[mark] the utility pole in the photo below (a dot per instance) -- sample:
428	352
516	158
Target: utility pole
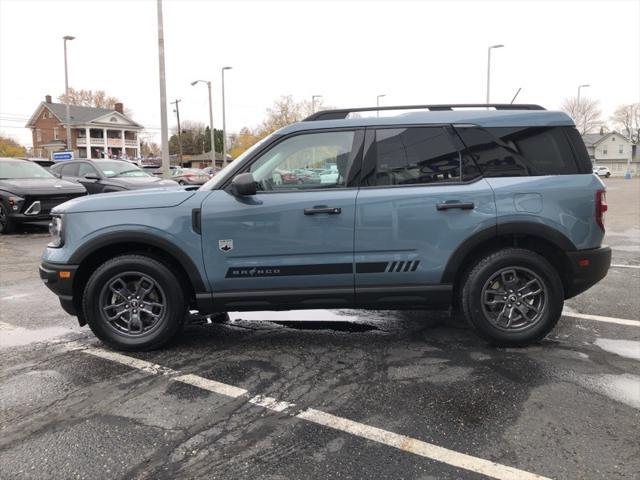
224	123
66	95
164	135
177	110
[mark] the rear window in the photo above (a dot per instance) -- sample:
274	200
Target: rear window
521	151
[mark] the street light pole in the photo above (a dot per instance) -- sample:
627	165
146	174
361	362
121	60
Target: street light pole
313	102
224	122
164	130
66	93
177	110
578	99
489	69
211	131
378	103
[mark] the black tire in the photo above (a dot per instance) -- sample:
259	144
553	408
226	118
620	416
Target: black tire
181	182
154	325
608	174
511	320
7	224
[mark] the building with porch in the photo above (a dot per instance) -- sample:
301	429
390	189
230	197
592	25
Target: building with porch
95	132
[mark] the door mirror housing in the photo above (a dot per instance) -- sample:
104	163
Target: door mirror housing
243	185
91	176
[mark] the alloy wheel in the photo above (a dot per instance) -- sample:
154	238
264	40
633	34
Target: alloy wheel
133	303
514	298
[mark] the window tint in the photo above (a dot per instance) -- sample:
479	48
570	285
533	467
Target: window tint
84	168
580	151
69	170
518	151
415	155
307	161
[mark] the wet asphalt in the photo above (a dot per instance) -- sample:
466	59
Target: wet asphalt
568	407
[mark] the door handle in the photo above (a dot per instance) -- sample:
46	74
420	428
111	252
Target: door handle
322	209
449	204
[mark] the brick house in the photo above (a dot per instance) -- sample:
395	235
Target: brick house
94	131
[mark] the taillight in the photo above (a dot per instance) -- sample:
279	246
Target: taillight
601	207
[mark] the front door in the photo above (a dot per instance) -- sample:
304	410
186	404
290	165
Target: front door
291	243
419	201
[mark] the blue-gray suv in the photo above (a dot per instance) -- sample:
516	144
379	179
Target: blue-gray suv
492	209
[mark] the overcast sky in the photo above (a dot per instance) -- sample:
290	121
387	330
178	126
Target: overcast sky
347	51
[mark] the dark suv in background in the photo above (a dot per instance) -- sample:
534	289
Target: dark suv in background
103	176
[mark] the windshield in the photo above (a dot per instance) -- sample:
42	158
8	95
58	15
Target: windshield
11	169
120	169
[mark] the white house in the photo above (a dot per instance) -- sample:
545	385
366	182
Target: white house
611	150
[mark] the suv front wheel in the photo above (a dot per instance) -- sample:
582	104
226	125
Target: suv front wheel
134	302
513	297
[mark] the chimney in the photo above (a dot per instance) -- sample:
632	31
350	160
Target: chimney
118	107
47	98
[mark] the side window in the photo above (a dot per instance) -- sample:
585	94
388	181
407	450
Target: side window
69	170
494	158
308	161
84	168
413	155
545	148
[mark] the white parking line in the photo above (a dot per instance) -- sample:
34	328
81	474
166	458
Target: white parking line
599	318
211	385
417	447
384	437
13	297
625	266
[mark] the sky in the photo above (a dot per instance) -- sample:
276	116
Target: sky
414	52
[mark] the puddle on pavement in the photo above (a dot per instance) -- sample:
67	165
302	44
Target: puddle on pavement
623	348
17	336
623	388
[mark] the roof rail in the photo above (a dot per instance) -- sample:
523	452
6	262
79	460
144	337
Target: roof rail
342	113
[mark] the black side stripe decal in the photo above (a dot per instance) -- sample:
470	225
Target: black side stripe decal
322	269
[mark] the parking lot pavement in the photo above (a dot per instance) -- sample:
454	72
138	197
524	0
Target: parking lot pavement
324	394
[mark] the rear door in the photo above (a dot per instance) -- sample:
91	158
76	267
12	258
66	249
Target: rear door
291	243
420	198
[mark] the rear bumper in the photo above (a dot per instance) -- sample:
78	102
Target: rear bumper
588	267
62	287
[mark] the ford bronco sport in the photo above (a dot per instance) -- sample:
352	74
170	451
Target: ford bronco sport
492	209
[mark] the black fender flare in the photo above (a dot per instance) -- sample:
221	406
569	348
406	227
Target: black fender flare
538	230
144	238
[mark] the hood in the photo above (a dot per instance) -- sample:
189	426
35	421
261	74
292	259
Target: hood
139	182
40	186
127	200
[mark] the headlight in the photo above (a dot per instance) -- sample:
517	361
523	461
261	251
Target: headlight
55	229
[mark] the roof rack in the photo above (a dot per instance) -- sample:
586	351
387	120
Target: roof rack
342	113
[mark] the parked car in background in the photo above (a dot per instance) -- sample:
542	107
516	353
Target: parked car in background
211	171
602	171
104	176
190	176
28	192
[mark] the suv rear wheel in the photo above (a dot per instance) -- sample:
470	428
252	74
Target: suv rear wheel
134	302
513	297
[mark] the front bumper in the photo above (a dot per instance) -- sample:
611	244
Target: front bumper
588	267
60	283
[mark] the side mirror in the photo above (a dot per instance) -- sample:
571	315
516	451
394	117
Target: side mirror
91	176
243	185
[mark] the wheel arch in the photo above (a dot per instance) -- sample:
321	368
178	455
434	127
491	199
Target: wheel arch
97	251
539	238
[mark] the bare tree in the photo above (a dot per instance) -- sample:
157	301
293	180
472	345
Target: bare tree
89	98
586	114
626	119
